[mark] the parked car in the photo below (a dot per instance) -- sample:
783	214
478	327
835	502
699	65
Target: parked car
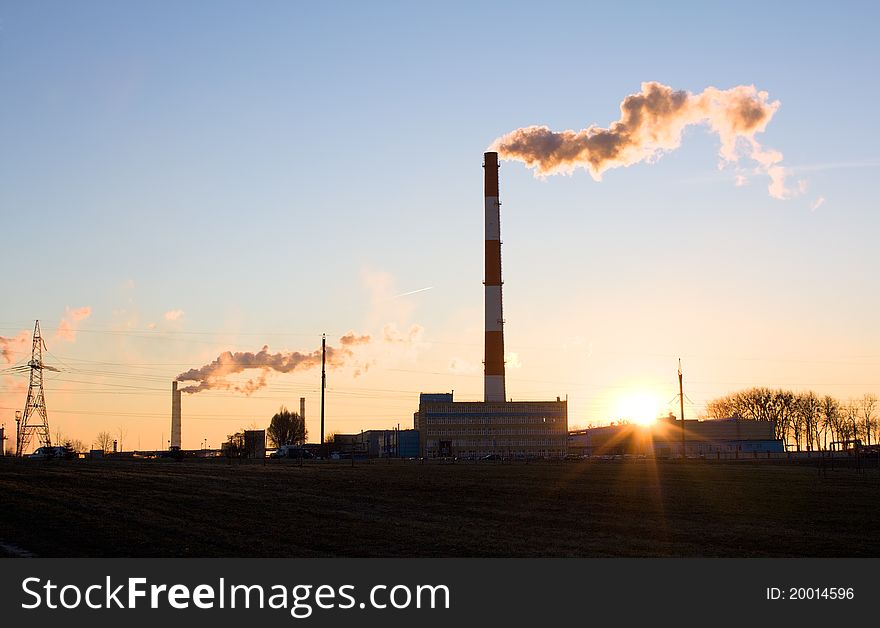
45	453
293	451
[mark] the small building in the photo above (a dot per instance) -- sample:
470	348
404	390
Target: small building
379	443
255	444
349	444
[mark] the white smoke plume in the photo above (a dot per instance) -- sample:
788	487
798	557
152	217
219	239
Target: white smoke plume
651	123
213	376
17	344
460	366
67	327
413	336
173	315
511	360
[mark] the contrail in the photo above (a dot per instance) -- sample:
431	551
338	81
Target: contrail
651	123
406	294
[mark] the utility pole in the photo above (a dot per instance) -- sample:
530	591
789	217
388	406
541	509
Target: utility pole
302	418
323	384
681	399
34	418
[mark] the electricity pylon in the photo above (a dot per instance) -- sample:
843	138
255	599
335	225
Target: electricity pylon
34	418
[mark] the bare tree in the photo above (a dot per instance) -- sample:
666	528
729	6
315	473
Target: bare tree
722	408
869	404
123	432
803	419
809	409
800	423
104	441
849	420
830	419
759	404
784	405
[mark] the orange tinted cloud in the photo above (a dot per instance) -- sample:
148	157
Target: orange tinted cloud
651	123
18	344
67	327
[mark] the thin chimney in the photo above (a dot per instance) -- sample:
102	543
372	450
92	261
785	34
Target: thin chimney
175	416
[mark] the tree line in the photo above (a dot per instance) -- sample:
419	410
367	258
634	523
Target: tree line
806	420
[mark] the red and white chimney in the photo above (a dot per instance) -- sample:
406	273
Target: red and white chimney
493	382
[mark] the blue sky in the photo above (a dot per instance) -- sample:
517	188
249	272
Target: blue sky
280	170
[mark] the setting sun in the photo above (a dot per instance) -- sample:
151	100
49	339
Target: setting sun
639	406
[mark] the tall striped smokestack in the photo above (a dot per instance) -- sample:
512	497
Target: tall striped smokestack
493	382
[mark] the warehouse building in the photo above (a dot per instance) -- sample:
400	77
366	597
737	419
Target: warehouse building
663	438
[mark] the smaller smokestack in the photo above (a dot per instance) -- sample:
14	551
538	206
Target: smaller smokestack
175	416
302	409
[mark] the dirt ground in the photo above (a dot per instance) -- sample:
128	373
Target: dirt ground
115	508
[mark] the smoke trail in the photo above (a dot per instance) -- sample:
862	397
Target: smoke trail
213	375
652	122
67	327
413	335
17	344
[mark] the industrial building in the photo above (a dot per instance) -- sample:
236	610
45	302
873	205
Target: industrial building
379	444
663	439
475	429
494	426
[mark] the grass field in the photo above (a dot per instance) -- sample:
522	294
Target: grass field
635	508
